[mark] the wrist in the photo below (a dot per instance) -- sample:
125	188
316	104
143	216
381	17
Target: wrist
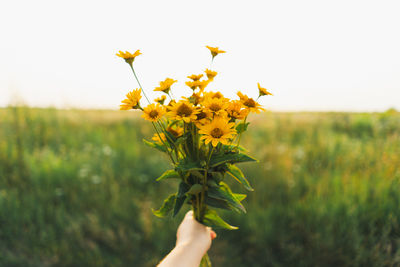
183	255
192	248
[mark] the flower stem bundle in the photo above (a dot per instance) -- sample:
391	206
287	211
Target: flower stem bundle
201	135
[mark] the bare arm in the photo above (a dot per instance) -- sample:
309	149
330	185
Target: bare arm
192	241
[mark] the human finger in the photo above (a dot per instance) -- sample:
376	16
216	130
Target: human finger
213	235
189	214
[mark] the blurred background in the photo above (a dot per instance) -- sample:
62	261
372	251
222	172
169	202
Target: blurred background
77	185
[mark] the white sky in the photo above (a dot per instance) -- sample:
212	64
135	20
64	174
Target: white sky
313	55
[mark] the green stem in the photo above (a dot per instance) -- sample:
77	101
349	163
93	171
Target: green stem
162	141
170	95
197	142
169	138
198	207
240	135
212	60
204	185
159	136
209	155
205	261
185	130
134	73
192	131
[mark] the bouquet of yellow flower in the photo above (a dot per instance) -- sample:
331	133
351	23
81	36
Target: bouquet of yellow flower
201	136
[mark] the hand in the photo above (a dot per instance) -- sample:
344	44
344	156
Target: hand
192	241
192	233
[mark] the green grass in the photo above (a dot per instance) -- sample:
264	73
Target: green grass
77	188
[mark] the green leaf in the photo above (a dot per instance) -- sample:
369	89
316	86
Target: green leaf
180	140
195	189
218	203
166	207
239	197
212	219
158	146
242	127
223	192
178	204
168	174
183	188
205	261
173	123
212	183
218	176
222	204
186	165
225	187
180	200
230	158
236	173
234	148
197	174
171	139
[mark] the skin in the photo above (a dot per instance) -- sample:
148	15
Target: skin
193	240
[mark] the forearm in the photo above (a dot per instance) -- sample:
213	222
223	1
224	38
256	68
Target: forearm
182	256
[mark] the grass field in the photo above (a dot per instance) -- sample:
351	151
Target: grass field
77	188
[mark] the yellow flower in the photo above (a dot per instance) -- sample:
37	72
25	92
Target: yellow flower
183	110
160	100
165	85
195	99
175	131
214	51
203	116
262	91
235	110
241	96
214	95
153	112
216	106
197	84
195	77
202	85
220	130
210	74
132	100
157	139
170	104
192	84
250	104
129	58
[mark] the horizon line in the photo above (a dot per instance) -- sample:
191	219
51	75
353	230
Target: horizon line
267	111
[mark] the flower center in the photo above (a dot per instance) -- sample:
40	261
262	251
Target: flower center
218	95
173	132
201	115
153	114
217	133
233	113
215	107
250	103
184	110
